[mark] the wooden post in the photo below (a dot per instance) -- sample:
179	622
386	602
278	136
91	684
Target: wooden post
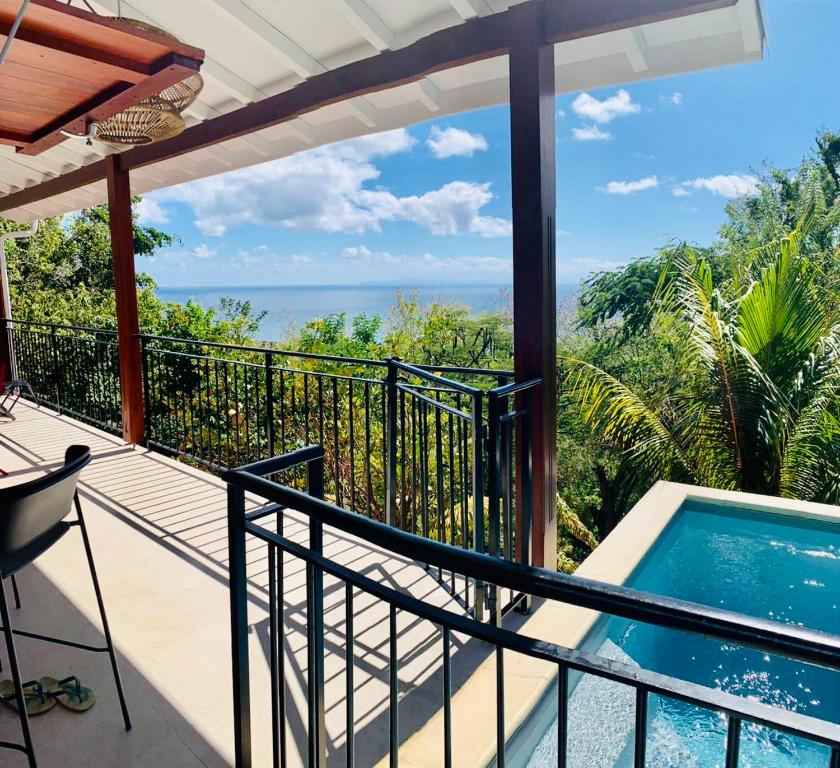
532	138
6	372
125	288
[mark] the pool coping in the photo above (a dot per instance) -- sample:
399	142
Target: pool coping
527	679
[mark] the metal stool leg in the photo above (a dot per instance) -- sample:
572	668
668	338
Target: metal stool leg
16	593
105	628
16	678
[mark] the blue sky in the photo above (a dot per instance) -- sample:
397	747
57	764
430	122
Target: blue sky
637	166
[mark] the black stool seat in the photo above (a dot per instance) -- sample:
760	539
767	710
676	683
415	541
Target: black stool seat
32	519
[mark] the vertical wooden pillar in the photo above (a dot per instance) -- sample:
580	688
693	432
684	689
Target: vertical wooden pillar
6	372
532	116
125	287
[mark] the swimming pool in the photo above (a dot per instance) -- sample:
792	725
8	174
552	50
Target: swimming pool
770	565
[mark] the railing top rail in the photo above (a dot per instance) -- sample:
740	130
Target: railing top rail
428	375
514	387
263	350
147	337
802	644
57	326
329	358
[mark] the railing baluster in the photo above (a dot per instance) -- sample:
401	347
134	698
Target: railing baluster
733	742
562	715
394	681
403	496
239	626
352	444
441	534
274	640
281	647
282	411
56	369
269	404
368	474
640	750
336	475
500	707
390	438
478	497
320	381
493	489
315	627
452	484
414	447
447	700
349	651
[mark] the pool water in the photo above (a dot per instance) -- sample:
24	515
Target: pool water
782	568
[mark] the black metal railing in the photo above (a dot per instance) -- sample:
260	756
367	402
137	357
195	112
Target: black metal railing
72	369
768	637
429	449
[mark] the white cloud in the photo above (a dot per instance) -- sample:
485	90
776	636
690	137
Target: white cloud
329	190
451	210
561	114
452	142
301	258
591	133
203	251
365	258
374	145
732	185
606	110
676	98
149	211
629	187
363	253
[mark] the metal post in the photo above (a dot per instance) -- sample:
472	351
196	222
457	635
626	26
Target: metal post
391	452
147	410
525	460
7	354
269	404
478	495
56	369
317	746
493	486
239	627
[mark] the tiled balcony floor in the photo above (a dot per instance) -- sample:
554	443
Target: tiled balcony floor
158	533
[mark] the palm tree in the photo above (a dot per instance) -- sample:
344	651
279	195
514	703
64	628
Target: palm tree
756	403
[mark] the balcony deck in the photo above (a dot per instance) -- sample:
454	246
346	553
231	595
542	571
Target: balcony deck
158	531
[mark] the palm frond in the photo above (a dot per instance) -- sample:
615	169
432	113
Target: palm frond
614	410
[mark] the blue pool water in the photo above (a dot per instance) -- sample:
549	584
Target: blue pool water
781	568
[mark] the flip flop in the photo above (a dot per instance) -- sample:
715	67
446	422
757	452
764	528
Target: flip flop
69	692
36	699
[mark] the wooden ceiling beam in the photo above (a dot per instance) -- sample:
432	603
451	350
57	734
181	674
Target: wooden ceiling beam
367	21
172	69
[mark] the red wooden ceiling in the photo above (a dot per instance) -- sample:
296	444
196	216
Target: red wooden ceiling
67	66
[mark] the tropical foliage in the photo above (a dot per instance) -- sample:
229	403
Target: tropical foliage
755	400
715	364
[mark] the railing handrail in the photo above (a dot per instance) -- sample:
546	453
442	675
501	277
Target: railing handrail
57	326
428	375
452	369
805	645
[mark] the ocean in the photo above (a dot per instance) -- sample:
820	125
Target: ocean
290	307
